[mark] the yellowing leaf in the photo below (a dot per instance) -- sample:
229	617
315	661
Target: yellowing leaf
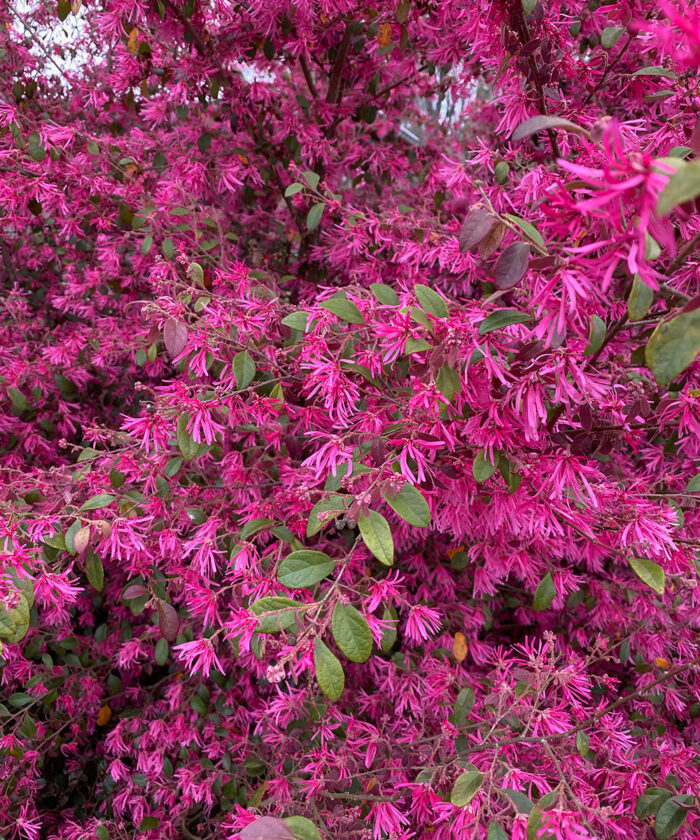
133	42
459	647
104	715
384	35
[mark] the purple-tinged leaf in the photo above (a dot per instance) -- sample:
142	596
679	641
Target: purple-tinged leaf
168	622
542	122
509	269
136	590
475	228
267	828
491	242
174	336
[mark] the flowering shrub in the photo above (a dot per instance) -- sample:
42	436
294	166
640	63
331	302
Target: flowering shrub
350	420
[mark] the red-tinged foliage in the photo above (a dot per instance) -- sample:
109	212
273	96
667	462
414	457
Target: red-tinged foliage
349	420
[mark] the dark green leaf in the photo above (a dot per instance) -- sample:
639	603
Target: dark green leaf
276	613
384	294
431	301
302	569
376	535
186	444
674	345
596	335
351	633
466	787
243	369
655	70
101	500
345	309
313	217
671	816
410	506
482	468
329	671
502	318
94	571
545	593
640	299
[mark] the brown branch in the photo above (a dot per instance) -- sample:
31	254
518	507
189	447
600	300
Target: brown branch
684	254
7	262
307	75
332	96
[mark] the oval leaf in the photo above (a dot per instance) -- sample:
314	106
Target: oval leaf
168	622
466	787
275	613
502	318
313	217
475	228
345	309
682	186
376	535
649	572
174	336
351	633
243	369
303	828
186	443
673	346
482	468
543	122
96	502
509	269
410	506
302	569
94	571
596	335
329	671
640	299
431	301
267	828
545	593
671	816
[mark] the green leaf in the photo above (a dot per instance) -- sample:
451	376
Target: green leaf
162	651
693	486
417	345
243	369
649	572
94	571
303	828
527	228
296	320
502	318
649	803
529	6
545	593
671	816
431	301
351	633
463	706
99	501
609	36
329	505
389	635
276	613
312	179
313	217
582	744
673	346
293	189
7	624
345	309
482	468
448	382
496	832
410	506
640	299
254	526
522	803
376	535
682	186
20	699
329	671
186	444
466	787
655	70
384	294
19	401
302	569
596	335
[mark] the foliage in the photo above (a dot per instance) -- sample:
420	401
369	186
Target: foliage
349	420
